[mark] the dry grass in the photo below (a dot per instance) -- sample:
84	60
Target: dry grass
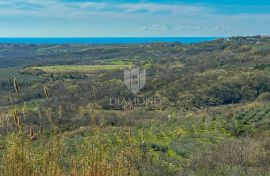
54	157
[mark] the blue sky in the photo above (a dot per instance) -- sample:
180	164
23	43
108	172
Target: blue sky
112	18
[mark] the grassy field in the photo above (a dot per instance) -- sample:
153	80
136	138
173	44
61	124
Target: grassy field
77	68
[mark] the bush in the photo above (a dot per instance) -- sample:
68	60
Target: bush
241	156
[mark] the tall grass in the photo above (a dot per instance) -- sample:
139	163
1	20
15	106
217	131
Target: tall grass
55	155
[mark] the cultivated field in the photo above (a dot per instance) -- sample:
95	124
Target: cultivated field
77	68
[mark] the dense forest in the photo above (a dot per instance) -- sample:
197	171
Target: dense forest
212	115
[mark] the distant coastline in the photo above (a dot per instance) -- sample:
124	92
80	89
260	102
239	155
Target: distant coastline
105	40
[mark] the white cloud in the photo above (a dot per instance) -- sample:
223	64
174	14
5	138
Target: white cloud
203	27
195	27
55	7
157	27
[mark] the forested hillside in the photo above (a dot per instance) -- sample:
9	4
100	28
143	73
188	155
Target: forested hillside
213	115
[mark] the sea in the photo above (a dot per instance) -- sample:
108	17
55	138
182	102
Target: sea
105	40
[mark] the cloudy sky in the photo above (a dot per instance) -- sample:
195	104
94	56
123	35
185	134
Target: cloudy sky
111	18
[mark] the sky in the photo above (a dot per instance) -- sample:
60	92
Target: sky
134	18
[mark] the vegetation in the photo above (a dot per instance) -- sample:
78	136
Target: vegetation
211	117
78	68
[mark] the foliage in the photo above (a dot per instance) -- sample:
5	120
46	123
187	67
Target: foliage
213	117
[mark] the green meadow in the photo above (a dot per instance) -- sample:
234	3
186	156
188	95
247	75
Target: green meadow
78	68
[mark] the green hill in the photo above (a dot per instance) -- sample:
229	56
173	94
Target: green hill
212	115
